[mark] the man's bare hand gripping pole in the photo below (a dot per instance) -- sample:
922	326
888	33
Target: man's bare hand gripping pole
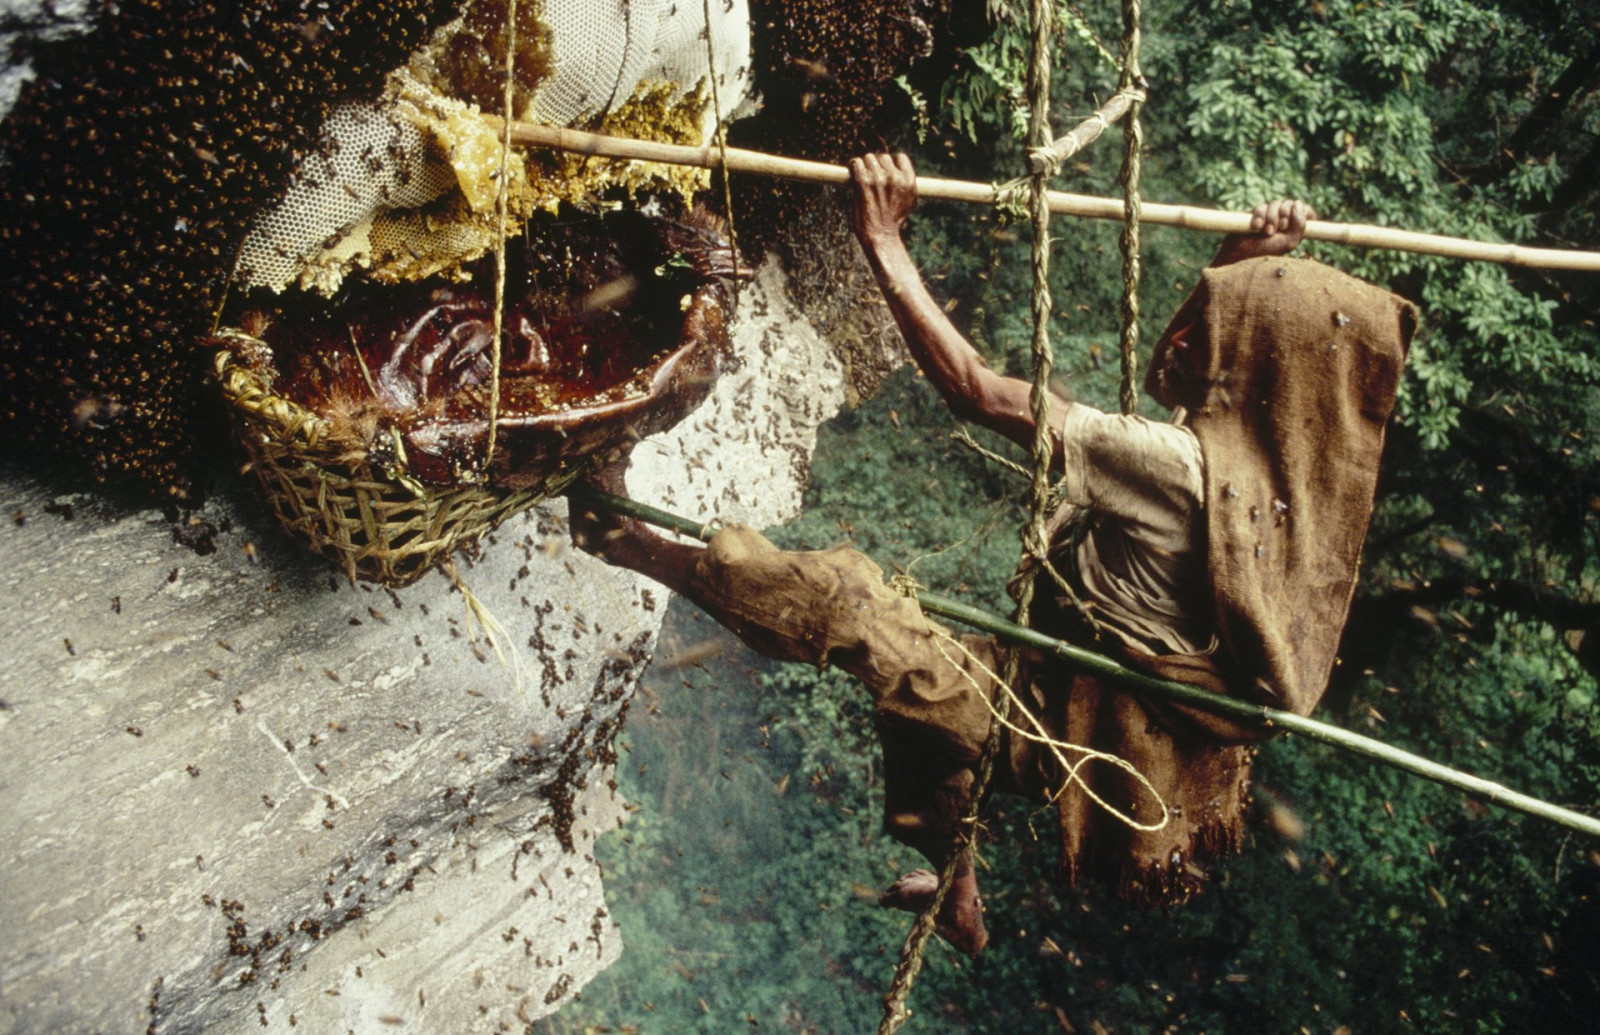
885	191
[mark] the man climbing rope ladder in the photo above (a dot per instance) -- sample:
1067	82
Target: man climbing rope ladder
1220	549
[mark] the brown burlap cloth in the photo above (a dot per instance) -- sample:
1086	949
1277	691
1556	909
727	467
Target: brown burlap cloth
1303	368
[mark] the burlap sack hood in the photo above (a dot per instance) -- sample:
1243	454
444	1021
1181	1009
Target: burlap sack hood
1300	378
1290	409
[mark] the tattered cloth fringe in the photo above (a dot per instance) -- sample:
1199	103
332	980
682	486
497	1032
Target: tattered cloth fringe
1171	884
1201	779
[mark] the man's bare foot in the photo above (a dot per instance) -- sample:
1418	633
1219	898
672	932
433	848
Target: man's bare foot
602	532
961	919
627	542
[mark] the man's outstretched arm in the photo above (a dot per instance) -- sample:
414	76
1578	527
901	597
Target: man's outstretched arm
885	193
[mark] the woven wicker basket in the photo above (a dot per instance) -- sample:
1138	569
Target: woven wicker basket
370	517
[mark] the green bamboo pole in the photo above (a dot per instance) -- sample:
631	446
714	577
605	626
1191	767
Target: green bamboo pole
1262	716
1243	711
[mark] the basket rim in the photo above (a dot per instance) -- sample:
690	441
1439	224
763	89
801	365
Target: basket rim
251	392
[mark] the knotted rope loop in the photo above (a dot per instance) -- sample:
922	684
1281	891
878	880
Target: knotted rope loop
1047	161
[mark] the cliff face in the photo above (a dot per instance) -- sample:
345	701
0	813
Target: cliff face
235	791
238	790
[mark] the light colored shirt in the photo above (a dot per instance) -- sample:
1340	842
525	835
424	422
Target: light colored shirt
1142	563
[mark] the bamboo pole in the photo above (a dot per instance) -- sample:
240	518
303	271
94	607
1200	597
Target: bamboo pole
1243	711
1047	160
1264	717
1189	217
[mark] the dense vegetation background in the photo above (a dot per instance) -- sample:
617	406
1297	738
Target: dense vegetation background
1368	901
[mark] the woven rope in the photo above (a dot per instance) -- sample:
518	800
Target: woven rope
372	520
895	1012
501	204
1133	134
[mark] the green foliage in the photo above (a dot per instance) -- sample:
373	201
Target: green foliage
745	881
1342	104
995	96
1366	901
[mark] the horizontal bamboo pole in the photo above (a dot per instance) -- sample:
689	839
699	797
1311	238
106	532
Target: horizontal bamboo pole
1243	711
756	163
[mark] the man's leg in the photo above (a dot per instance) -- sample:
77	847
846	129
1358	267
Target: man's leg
834	609
926	791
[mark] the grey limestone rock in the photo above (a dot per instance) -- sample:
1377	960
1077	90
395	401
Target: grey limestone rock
28	21
238	791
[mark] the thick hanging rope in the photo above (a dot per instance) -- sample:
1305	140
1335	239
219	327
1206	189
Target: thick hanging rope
721	139
1034	538
502	199
895	1012
1133	135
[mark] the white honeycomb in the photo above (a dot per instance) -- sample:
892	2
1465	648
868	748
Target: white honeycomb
400	188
